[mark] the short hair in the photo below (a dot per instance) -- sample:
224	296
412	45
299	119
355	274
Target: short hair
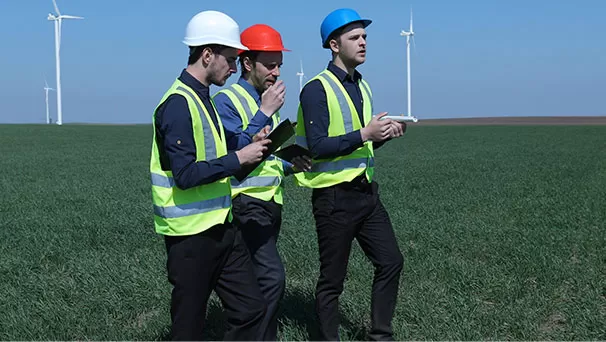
336	35
196	51
252	55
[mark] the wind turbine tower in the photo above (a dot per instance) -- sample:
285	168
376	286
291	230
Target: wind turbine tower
58	18
301	74
409	36
46	89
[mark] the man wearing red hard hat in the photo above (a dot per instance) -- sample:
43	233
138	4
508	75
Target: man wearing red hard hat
251	106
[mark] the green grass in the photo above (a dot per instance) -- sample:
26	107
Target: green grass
502	229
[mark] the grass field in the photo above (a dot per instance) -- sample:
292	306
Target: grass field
503	231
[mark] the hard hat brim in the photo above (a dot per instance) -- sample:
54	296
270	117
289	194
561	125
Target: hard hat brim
208	40
265	50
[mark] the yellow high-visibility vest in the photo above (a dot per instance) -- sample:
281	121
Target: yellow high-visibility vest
190	211
266	181
343	119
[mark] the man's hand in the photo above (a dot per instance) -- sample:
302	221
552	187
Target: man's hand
261	134
253	152
302	163
397	129
272	98
377	130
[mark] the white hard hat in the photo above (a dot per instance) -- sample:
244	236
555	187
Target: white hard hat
213	27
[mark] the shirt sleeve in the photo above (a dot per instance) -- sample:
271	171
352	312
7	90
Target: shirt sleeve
236	136
316	120
174	125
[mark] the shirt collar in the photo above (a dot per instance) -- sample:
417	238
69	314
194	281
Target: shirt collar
190	81
342	75
250	89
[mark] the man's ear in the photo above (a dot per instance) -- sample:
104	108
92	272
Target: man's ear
334	45
207	56
248	64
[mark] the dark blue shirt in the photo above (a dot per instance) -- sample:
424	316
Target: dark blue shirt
316	117
237	137
175	139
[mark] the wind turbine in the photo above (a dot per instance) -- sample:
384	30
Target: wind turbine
58	18
409	35
301	74
46	89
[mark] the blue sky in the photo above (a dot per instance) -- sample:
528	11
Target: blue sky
473	58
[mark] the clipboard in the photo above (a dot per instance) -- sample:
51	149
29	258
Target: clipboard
278	136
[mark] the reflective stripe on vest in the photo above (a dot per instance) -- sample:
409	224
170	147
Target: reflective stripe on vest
244	103
194	208
162	181
343	164
209	141
367	89
257	181
345	110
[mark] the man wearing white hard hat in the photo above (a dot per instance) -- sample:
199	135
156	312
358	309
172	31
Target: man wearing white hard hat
190	175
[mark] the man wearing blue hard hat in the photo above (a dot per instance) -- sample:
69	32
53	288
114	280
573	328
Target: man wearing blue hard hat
337	125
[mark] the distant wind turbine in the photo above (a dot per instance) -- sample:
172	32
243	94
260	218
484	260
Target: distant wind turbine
409	35
46	89
301	74
58	18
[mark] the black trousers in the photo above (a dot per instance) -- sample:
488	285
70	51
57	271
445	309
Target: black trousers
342	213
260	222
218	260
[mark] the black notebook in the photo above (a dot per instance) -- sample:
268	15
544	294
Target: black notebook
290	152
279	135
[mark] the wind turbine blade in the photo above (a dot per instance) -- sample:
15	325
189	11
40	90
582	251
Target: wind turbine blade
56	7
414	44
70	17
411	20
301	66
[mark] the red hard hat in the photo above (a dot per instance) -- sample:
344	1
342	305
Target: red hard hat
261	37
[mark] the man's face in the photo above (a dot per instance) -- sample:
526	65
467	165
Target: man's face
223	65
351	46
266	69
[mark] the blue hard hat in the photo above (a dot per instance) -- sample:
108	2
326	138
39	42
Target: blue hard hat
337	19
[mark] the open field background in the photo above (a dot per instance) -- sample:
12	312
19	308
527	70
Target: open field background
502	227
